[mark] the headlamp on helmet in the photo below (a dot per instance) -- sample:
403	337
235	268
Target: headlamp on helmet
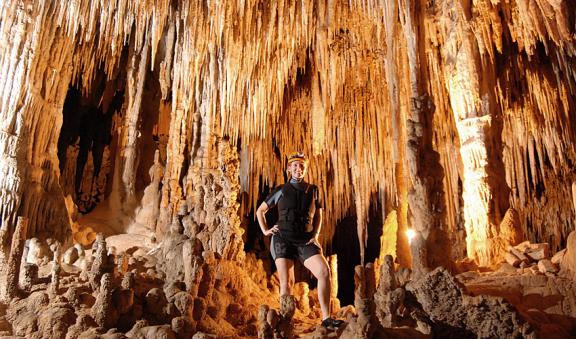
297	156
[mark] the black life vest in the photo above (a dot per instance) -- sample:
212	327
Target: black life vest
296	209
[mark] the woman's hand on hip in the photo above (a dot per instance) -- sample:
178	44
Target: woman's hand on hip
272	231
314	240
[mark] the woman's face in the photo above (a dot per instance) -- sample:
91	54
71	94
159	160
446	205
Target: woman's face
297	169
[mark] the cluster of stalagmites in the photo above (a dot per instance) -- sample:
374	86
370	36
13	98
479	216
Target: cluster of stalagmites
437	303
273	324
182	290
95	293
431	302
197	280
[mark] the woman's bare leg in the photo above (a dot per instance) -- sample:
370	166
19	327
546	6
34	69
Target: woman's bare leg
319	267
285	269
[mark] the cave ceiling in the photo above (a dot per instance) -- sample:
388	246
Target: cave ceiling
447	112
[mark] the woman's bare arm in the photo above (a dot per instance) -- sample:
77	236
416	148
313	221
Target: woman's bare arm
261	216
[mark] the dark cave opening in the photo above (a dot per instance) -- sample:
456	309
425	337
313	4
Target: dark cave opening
346	245
87	128
89	135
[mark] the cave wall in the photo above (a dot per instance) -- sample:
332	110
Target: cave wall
450	112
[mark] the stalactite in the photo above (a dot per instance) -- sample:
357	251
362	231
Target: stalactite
35	86
138	66
350	83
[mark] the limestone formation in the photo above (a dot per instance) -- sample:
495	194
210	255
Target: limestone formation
277	324
37	252
193	262
333	264
55	278
366	324
100	261
419	251
144	304
103	310
29	276
442	298
71	255
147	213
171	121
10	269
568	261
212	193
265	330
557	258
389	297
302	294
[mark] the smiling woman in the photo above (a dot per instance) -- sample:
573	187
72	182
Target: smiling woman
295	236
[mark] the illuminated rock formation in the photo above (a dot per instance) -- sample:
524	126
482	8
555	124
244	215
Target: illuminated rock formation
10	268
171	120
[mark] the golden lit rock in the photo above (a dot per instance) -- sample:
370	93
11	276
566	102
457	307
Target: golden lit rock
161	125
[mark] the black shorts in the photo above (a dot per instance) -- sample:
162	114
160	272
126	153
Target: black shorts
282	248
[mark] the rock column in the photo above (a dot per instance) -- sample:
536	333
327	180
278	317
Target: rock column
11	271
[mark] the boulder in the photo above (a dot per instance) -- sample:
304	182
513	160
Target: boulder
445	303
546	266
557	258
538	251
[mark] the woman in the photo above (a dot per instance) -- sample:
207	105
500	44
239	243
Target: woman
296	233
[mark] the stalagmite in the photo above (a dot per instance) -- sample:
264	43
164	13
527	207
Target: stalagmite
55	278
264	329
103	310
100	261
333	264
147	212
10	269
29	276
302	295
365	325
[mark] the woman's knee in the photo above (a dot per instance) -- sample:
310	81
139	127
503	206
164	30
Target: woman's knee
323	273
318	266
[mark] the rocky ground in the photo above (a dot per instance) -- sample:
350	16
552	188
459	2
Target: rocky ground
176	289
131	287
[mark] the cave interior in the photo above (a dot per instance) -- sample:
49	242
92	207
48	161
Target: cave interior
138	139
